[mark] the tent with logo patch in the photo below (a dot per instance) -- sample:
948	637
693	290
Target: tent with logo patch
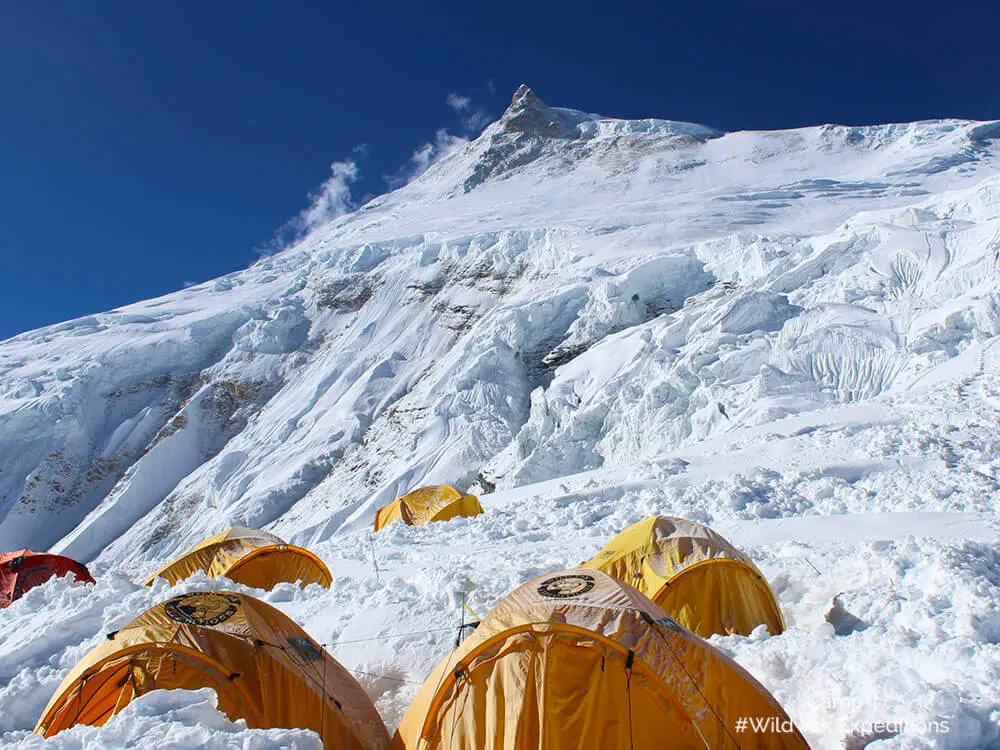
578	659
693	574
434	503
248	556
263	666
23	570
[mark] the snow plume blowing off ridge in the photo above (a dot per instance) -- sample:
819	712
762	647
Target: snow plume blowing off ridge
330	200
788	335
333	198
472	121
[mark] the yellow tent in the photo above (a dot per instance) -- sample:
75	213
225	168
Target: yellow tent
263	666
248	556
434	503
693	574
578	659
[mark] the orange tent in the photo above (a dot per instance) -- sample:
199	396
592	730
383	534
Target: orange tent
264	668
437	502
23	570
693	574
249	556
578	659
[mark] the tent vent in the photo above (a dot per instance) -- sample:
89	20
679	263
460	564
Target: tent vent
306	649
670	624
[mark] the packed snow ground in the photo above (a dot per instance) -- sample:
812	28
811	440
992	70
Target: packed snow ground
790	336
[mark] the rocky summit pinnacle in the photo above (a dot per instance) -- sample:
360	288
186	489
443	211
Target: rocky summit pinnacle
524	99
530	115
525	131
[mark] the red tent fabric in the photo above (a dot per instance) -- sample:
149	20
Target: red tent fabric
24	569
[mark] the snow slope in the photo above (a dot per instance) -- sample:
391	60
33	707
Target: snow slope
789	335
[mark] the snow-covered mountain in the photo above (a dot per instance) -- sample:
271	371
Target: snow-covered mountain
787	335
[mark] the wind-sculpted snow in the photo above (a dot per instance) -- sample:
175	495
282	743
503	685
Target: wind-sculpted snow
601	320
177	719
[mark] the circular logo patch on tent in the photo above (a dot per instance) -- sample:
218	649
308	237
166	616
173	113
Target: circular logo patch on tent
566	587
204	608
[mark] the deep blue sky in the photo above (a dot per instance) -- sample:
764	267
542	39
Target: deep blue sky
147	144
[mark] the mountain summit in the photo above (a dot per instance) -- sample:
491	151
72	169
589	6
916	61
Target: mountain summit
530	115
530	130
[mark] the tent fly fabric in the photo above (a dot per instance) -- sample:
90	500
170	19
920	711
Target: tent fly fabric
434	503
23	570
264	668
578	659
693	574
248	556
